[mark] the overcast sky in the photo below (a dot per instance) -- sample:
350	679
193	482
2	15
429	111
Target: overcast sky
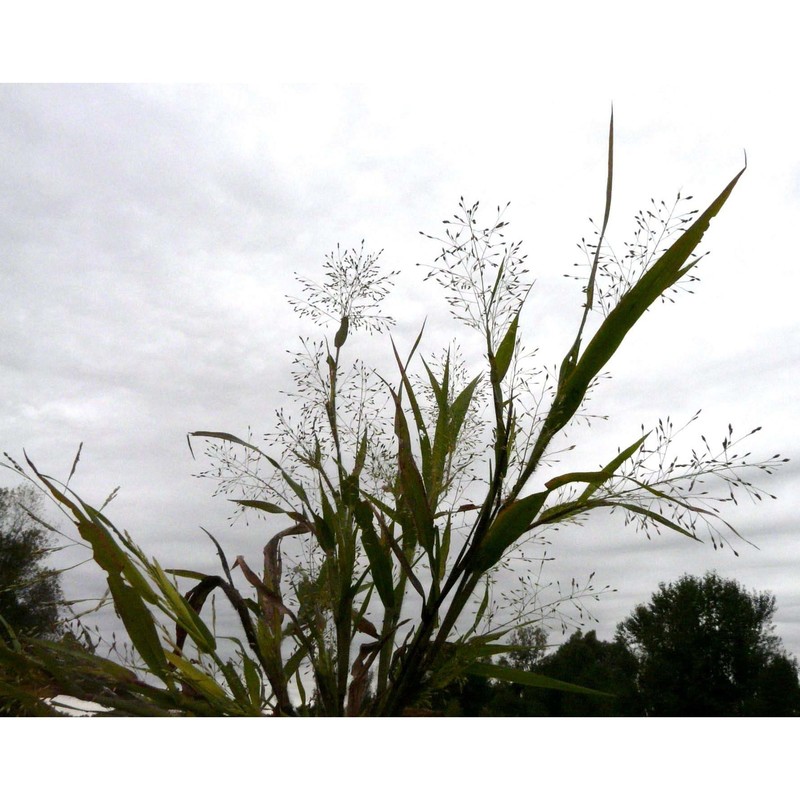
149	234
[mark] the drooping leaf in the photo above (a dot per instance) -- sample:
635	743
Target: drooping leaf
129	589
269	598
662	520
220	554
187	573
227	437
580	477
184	614
273	564
519	676
261	505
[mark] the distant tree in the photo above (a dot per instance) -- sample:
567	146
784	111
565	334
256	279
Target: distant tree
777	692
530	644
583	661
30	592
586	661
706	647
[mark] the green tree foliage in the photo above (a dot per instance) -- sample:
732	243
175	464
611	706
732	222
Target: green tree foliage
585	661
397	496
30	592
702	647
529	644
705	647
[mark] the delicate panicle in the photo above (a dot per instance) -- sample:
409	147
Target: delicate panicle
656	227
484	277
355	285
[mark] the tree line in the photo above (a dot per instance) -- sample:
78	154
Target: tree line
700	647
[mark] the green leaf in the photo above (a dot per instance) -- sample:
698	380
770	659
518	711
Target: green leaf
646	512
390	512
227	437
379	560
184	613
129	597
444	549
664	273
261	505
519	676
439	391
422	432
236	686
361	457
139	624
187	573
579	477
571	358
606	214
624	455
325	526
511	523
613	466
199	680
252	680
562	511
458	412
502	358
414	497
